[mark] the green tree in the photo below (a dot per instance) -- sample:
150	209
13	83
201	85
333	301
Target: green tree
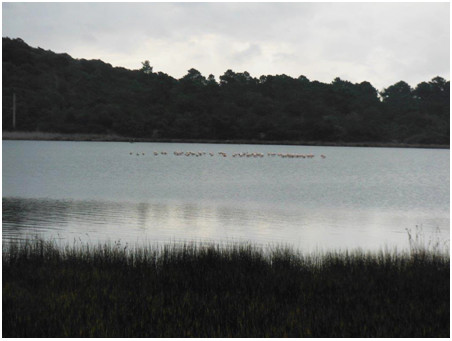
146	67
58	93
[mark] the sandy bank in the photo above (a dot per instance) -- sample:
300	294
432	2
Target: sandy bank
42	136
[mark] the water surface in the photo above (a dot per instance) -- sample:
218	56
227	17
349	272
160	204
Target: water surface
98	191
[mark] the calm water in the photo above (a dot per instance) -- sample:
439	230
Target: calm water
97	191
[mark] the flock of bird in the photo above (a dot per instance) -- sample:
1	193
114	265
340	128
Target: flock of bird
240	155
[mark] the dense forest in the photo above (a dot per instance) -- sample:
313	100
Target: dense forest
57	93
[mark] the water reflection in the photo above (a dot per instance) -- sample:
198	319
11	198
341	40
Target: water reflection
136	223
356	197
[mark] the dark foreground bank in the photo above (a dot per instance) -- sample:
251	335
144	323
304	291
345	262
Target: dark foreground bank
228	291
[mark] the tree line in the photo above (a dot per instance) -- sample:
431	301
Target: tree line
57	93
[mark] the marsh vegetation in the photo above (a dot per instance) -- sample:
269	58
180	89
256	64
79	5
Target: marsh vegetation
227	290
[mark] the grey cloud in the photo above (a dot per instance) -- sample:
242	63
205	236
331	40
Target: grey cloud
400	40
252	51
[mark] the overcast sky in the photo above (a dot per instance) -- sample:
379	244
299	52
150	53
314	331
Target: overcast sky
382	43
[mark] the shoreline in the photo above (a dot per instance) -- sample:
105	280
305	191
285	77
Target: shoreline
42	136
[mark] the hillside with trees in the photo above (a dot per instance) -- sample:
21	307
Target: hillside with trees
57	93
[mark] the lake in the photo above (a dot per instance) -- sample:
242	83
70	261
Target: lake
118	191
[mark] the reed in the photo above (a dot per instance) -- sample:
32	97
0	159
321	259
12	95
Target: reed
221	290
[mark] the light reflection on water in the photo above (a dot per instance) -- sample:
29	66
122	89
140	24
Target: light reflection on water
141	223
356	197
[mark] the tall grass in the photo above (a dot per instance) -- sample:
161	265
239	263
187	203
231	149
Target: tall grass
213	290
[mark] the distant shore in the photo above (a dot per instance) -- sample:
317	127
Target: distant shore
42	136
